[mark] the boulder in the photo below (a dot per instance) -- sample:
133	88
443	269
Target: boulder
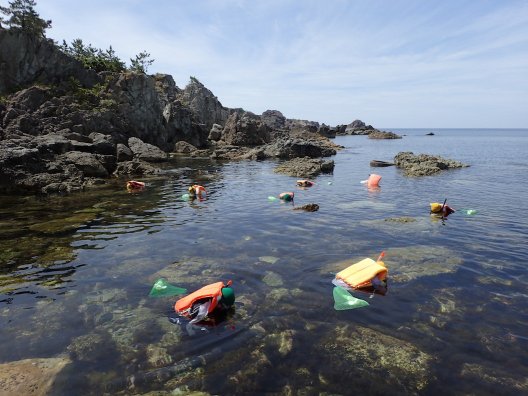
273	119
305	167
146	152
123	153
424	164
89	164
184	147
215	134
135	167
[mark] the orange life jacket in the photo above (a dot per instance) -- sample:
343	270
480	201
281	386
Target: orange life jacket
199	190
213	291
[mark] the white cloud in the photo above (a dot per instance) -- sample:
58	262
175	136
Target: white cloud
403	63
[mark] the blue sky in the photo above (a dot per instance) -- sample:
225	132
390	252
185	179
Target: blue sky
391	63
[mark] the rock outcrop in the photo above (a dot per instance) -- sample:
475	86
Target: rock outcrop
71	127
305	167
356	127
424	164
383	135
26	60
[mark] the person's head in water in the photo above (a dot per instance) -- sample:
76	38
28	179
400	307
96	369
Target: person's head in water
192	191
228	297
287	196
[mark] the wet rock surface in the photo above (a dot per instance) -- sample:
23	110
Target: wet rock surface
305	167
424	164
33	377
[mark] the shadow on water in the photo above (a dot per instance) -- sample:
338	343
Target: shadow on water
75	273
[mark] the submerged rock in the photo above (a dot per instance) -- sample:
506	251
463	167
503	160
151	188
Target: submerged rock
409	263
369	355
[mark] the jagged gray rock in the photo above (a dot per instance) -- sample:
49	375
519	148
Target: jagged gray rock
26	60
206	107
305	167
424	164
245	130
146	152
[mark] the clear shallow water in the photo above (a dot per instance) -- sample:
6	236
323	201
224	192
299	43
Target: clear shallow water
75	273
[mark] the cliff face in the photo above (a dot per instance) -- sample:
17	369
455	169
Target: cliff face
25	60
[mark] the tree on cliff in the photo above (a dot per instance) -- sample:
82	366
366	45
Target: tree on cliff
23	17
93	58
141	63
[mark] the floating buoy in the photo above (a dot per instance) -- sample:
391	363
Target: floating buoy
373	180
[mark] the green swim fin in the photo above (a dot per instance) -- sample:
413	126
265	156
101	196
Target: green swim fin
162	288
344	300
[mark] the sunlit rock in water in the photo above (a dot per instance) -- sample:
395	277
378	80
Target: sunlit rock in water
91	347
407	225
283	342
500	380
158	356
401	219
368	355
367	204
190	271
269	259
408	263
272	279
33	377
62	225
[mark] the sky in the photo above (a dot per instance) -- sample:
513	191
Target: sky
390	63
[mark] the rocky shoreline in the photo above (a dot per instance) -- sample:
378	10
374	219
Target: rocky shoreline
64	128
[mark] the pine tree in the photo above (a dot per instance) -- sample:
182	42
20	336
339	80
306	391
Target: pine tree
141	63
23	17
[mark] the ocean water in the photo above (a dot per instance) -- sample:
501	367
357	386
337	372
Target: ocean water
75	273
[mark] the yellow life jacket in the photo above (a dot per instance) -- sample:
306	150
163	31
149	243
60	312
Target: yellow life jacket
213	291
436	207
361	274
